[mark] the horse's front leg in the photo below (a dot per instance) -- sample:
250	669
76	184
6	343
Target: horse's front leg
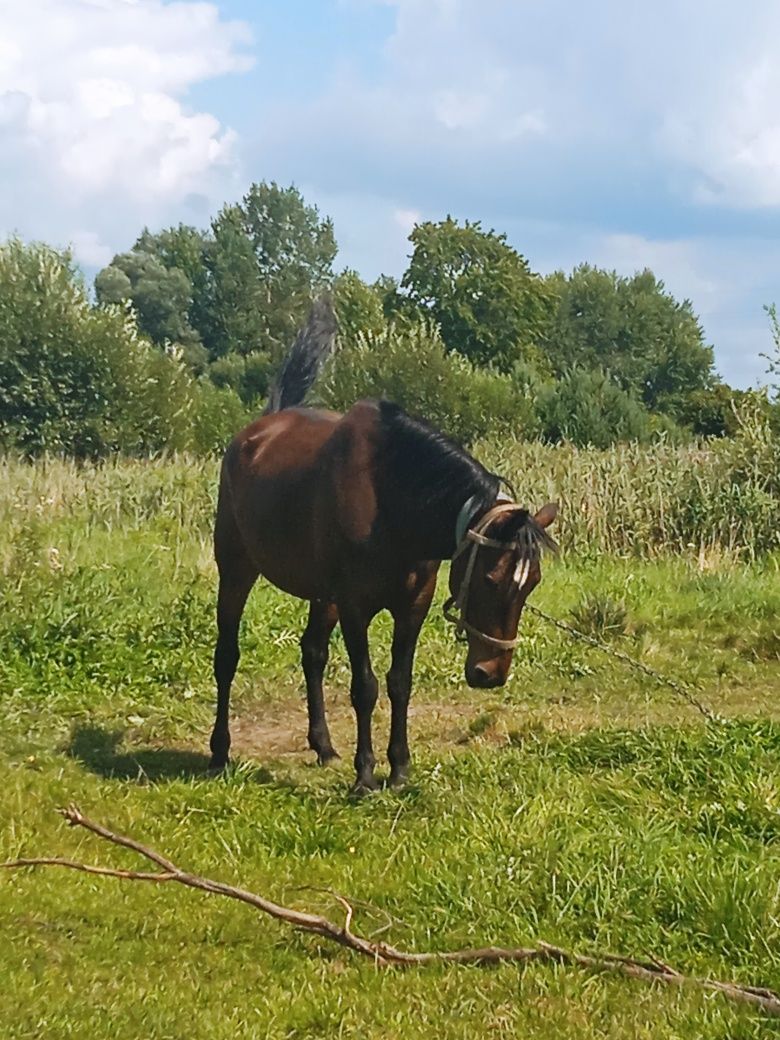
408	617
363	692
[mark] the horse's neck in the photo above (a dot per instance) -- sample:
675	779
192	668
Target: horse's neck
425	525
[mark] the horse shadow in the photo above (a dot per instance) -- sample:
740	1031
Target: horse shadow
99	750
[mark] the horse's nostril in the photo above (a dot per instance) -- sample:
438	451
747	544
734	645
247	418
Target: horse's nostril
484	678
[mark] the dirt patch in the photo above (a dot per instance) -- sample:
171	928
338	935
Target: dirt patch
277	729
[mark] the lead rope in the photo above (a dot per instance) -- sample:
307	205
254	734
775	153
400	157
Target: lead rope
673	684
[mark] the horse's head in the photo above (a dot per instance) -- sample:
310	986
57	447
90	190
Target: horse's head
494	570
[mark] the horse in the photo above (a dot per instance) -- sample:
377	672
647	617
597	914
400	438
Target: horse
354	513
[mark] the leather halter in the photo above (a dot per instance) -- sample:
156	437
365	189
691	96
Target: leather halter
477	539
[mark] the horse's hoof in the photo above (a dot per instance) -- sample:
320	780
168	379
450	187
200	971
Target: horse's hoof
327	756
398	781
218	765
361	788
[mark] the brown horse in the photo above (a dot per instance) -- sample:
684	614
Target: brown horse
355	513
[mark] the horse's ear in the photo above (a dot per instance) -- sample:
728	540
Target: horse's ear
547	514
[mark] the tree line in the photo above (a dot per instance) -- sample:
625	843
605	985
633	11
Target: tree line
187	326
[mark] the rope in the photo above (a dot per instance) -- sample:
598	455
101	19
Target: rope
680	688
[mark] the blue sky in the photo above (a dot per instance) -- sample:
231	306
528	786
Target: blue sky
623	135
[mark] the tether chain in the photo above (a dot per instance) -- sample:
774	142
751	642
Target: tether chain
679	688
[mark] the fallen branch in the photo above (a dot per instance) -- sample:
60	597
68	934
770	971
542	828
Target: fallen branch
381	953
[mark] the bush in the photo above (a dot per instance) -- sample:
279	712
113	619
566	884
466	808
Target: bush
249	376
408	364
359	307
714	412
80	380
218	415
587	408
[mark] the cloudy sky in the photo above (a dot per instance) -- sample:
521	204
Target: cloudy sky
622	134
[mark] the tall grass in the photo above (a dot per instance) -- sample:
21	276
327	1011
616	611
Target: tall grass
651	500
721	496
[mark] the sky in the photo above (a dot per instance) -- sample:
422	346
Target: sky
623	135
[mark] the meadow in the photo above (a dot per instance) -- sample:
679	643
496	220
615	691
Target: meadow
582	804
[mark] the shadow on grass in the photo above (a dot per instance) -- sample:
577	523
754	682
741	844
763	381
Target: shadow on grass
99	750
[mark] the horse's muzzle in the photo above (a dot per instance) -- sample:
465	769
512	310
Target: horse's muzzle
485	676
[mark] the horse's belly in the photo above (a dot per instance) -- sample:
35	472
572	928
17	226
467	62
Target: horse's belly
299	581
285	549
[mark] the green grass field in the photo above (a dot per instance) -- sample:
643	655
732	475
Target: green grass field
581	804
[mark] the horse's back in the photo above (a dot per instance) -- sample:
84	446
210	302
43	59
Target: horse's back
278	443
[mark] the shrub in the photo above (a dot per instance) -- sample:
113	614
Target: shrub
587	408
249	376
408	364
714	412
80	380
218	415
359	307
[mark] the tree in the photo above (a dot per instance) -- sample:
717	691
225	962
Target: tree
489	305
161	296
241	289
233	321
650	343
81	380
184	248
271	253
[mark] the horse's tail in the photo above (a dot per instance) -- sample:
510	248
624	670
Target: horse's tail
311	349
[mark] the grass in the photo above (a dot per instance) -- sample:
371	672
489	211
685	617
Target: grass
580	804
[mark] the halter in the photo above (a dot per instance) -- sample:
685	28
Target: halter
526	551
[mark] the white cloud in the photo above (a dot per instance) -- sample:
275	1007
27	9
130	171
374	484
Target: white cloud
89	249
691	88
95	133
626	135
406	219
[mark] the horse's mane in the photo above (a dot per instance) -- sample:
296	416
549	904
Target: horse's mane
427	476
426	472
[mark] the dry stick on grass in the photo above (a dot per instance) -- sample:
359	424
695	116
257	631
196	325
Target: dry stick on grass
381	953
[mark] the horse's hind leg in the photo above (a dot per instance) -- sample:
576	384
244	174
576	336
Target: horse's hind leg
363	693
314	653
237	575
